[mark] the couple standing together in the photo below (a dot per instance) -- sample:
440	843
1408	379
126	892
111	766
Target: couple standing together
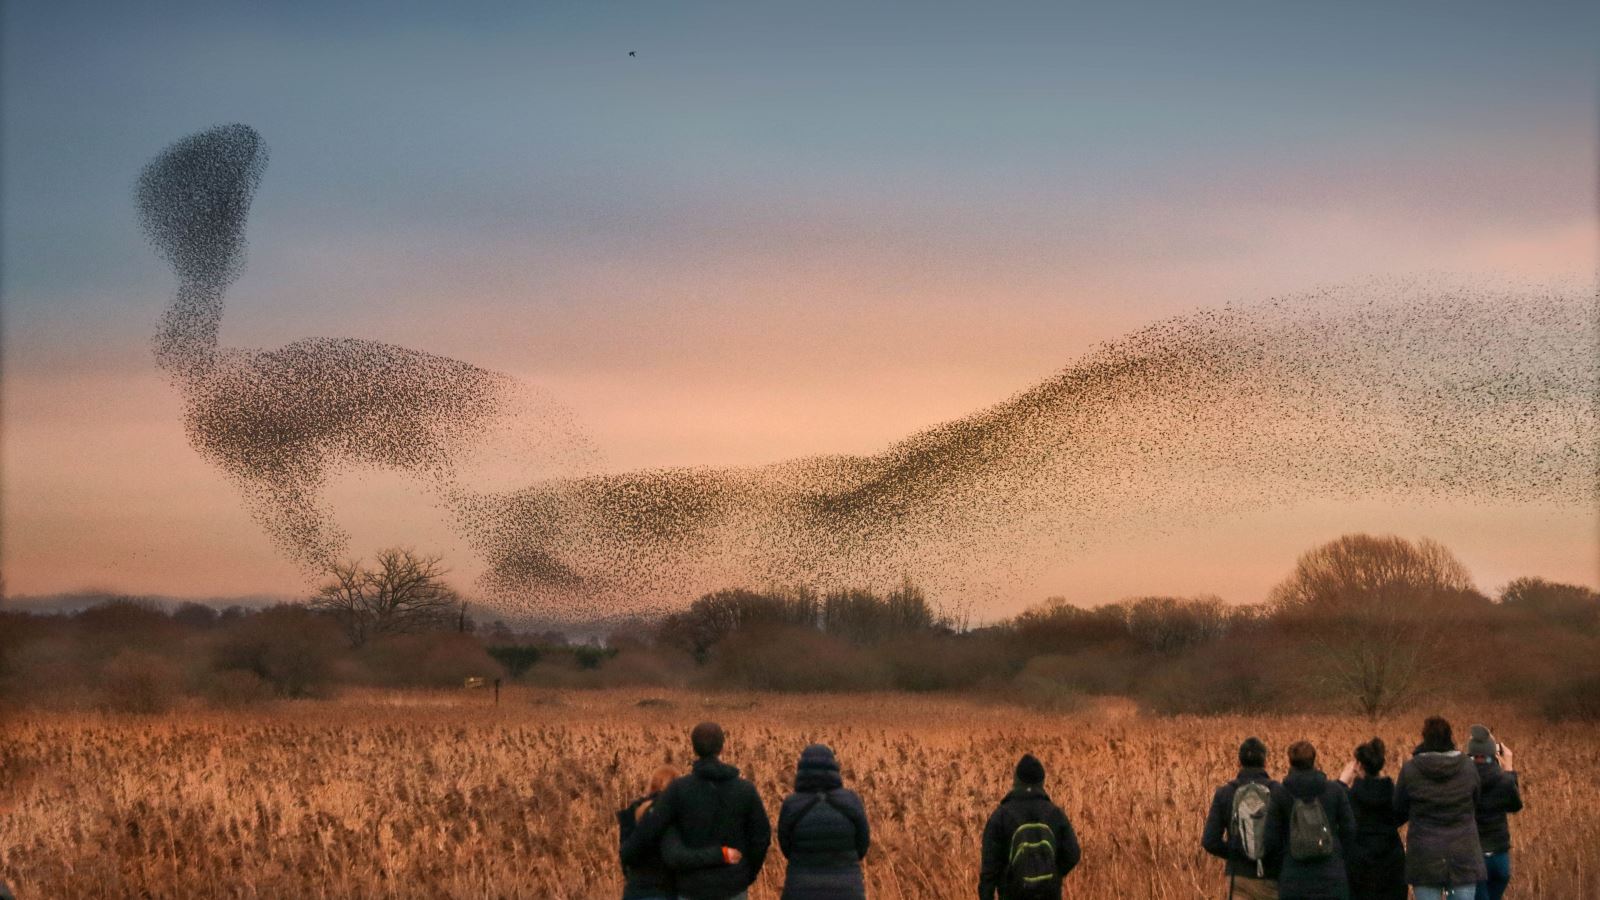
705	835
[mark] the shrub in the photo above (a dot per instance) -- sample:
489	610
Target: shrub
515	658
1575	699
798	659
1042	684
437	659
235	688
939	662
134	681
287	646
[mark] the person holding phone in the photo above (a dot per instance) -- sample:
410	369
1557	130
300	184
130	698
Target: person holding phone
1500	795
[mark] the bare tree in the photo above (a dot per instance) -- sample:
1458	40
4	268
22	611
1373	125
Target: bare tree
403	593
1378	607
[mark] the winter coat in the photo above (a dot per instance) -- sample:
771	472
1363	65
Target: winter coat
1025	803
647	876
1317	879
650	875
823	832
711	807
1438	793
1498	794
1219	843
1376	861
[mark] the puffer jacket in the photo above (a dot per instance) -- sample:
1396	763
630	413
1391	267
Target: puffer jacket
1317	879
1438	794
1499	794
823	832
1376	862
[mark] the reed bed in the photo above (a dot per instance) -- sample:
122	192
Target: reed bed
446	795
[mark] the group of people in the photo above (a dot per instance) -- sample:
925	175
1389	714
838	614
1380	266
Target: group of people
1312	837
705	835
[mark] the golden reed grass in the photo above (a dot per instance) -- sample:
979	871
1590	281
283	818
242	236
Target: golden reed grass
443	795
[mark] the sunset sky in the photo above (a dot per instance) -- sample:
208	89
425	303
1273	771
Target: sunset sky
780	230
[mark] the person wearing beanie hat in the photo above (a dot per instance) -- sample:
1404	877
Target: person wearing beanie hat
823	832
1028	843
1499	795
1029	770
710	809
1237	819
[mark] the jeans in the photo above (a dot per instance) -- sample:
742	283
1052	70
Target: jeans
1499	866
1437	892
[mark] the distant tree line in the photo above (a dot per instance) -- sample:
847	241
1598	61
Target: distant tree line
1362	624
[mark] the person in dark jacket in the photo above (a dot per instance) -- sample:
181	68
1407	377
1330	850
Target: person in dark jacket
1437	792
823	832
649	877
1376	860
1015	824
1246	879
1498	796
1320	877
711	807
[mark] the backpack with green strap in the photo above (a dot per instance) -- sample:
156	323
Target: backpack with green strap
1031	864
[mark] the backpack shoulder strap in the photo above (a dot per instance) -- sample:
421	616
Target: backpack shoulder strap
805	808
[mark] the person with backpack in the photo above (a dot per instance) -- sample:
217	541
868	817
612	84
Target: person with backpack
1028	844
1437	792
1376	860
1236	826
1498	796
709	808
823	832
1309	825
649	876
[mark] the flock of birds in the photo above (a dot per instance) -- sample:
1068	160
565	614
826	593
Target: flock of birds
1414	390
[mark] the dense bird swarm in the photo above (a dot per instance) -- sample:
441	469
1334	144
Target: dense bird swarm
1415	390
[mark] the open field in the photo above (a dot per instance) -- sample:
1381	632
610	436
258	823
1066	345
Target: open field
440	794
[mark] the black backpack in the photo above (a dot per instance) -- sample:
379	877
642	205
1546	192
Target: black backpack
1031	861
1310	838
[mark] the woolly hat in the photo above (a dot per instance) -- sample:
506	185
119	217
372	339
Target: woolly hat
1481	743
817	758
1030	770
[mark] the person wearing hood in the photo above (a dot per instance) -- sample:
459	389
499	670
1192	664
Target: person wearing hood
1235	828
1309	826
649	876
823	832
1028	843
1499	795
710	808
1438	792
1376	860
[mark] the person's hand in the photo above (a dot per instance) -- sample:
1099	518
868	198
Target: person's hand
731	855
1508	760
1348	774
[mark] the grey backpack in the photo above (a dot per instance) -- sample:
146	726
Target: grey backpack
1249	824
1310	838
